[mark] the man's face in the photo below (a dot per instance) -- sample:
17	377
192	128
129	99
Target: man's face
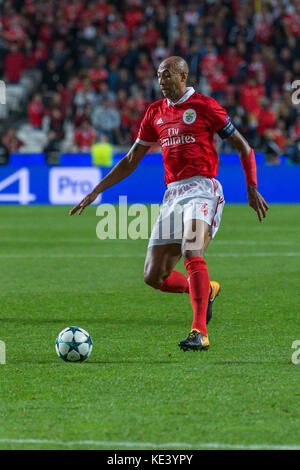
169	81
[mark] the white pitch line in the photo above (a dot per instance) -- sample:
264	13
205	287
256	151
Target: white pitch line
95	240
152	445
253	242
63	240
138	255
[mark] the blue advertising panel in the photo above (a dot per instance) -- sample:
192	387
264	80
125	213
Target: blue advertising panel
66	185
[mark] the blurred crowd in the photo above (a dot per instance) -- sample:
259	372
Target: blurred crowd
98	63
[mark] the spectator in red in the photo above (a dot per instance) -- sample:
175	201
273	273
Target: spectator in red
139	101
119	44
67	94
210	60
264	25
276	142
40	53
150	35
72	10
266	117
84	136
99	72
46	31
133	17
123	135
56	102
101	9
36	111
122	98
144	63
250	95
15	31
116	26
30	7
11	141
292	20
279	135
81	114
256	65
136	123
232	62
31	61
218	81
56	122
143	69
14	64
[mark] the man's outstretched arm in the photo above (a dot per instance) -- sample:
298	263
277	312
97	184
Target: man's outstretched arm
119	172
246	153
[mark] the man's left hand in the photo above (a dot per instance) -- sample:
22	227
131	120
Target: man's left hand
257	202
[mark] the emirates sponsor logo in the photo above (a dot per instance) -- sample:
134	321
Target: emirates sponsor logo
177	140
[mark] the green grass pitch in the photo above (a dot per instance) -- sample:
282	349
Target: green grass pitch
138	390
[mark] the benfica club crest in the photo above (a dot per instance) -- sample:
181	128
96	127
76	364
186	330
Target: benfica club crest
189	116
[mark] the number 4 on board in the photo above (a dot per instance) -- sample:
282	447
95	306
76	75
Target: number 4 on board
23	196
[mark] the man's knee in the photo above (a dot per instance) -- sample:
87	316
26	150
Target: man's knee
190	253
155	278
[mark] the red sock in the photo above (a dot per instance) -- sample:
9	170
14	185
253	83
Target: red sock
176	282
199	291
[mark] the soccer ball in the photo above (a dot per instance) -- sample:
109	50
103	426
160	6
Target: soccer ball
73	344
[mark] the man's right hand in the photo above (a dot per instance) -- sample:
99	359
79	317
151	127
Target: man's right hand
84	203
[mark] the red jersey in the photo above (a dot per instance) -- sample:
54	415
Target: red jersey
85	138
186	133
36	113
249	97
266	120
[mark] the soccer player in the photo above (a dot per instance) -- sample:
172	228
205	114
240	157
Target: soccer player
185	123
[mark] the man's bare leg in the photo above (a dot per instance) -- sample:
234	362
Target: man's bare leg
161	260
159	268
195	241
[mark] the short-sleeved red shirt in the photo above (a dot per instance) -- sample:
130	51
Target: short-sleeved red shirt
186	134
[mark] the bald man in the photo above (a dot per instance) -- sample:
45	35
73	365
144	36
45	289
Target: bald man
184	122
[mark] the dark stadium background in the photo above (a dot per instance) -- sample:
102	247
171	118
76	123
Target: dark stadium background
82	72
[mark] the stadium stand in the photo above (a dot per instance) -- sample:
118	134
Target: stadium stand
75	70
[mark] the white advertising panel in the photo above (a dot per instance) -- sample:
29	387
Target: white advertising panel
68	185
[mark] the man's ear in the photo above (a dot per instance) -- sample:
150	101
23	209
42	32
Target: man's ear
183	76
